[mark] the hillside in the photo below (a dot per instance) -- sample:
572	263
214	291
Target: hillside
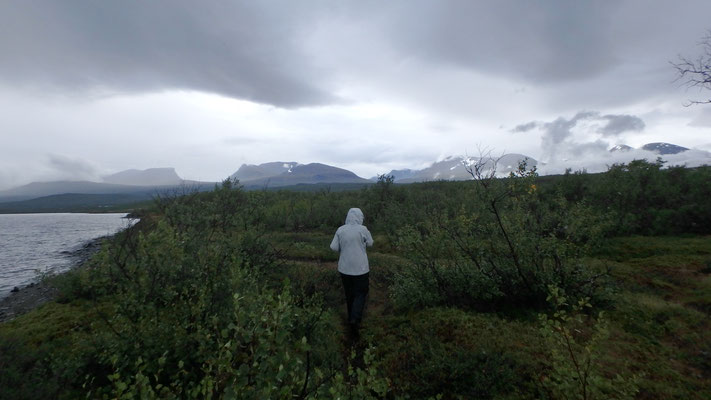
455	168
249	172
74	202
75	196
292	174
148	177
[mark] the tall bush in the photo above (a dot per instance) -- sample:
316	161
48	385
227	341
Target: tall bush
501	249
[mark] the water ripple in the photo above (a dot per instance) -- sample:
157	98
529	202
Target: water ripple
31	244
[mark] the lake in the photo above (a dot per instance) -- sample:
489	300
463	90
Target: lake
33	243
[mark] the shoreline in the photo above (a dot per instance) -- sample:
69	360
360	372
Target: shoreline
26	298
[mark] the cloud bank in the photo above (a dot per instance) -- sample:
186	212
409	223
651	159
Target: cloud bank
586	132
365	85
238	49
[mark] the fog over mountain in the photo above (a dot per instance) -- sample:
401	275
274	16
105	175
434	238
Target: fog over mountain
596	160
458	168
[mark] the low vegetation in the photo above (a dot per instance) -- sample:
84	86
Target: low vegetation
571	287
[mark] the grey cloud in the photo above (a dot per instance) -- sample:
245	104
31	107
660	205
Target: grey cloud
548	41
246	50
556	132
559	129
525	127
260	51
581	54
581	149
617	124
62	167
557	138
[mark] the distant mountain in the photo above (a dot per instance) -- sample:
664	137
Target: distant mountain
72	202
249	172
279	173
146	177
42	189
621	148
400	174
664	148
661	148
455	168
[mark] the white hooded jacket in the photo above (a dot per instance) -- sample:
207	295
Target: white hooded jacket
350	240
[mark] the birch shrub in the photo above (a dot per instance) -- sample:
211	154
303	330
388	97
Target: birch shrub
192	317
501	249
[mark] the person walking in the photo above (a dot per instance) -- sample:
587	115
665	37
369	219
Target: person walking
350	242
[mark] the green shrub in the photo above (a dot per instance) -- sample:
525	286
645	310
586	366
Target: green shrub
194	317
576	371
500	250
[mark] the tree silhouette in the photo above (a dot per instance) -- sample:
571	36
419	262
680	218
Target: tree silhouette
696	72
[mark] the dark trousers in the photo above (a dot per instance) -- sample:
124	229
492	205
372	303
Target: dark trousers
356	288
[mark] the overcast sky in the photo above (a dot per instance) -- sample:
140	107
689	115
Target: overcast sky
93	87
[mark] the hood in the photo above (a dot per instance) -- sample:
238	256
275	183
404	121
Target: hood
355	216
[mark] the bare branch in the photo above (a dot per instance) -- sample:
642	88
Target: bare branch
696	73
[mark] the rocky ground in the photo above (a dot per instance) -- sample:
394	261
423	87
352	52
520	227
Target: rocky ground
24	299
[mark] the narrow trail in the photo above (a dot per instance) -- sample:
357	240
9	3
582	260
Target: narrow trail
321	276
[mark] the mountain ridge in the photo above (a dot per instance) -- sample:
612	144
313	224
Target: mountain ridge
456	168
277	173
146	177
290	173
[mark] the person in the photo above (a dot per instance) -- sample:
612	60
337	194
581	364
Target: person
350	242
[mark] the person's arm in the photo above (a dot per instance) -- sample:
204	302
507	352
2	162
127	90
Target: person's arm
335	245
367	238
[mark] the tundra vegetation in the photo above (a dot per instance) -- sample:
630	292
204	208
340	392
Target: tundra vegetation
579	286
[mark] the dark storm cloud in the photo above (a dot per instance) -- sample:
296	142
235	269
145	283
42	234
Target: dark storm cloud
617	124
239	49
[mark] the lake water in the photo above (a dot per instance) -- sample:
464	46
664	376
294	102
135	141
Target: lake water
33	243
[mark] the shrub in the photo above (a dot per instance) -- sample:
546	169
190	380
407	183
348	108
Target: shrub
500	250
575	370
193	317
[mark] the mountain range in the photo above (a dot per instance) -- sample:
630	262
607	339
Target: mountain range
275	174
455	168
135	185
146	177
660	148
